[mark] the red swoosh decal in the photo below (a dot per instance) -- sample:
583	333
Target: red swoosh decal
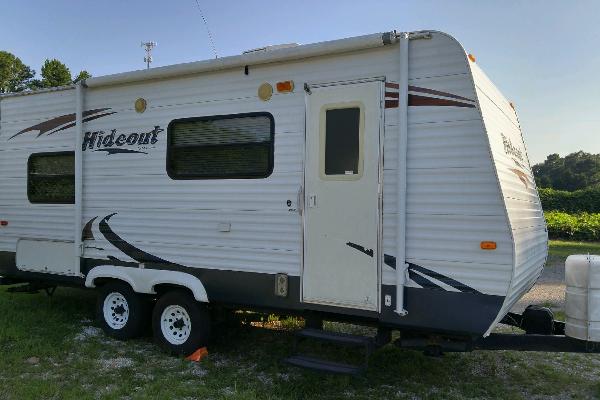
51	125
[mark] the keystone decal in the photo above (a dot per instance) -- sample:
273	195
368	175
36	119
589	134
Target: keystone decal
113	142
510	149
63	122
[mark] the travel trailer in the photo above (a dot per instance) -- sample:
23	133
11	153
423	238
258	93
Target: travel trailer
381	179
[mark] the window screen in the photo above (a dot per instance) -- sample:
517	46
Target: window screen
342	141
231	146
51	178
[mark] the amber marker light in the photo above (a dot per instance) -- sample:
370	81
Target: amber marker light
285	86
488	245
472	57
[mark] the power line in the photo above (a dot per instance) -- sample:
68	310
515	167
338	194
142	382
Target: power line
210	37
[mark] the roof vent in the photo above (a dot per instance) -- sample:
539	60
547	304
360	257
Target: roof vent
272	47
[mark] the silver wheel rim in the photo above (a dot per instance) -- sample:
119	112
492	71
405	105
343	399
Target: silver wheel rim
175	324
116	310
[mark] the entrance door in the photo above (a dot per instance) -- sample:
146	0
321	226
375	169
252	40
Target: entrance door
341	196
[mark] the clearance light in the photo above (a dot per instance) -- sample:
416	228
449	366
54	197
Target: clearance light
265	91
285	86
3	223
472	57
488	245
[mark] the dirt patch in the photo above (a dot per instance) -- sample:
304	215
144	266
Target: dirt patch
116	363
88	332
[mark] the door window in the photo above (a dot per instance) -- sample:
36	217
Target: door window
342	143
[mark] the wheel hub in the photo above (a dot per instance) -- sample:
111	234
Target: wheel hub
175	324
120	310
179	324
115	310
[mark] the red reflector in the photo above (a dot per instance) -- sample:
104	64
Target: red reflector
3	223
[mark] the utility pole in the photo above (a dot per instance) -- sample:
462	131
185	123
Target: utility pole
148	47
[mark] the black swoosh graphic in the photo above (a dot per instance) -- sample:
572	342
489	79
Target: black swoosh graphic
110	151
129	249
391	261
426	283
445	279
368	252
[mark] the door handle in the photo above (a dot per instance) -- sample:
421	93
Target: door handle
312	201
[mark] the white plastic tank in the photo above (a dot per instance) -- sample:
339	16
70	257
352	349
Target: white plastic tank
582	299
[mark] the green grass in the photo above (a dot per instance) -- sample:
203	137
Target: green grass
560	248
50	348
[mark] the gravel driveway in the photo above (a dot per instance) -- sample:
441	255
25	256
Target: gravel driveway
549	290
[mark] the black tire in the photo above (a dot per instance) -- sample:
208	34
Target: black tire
198	318
136	317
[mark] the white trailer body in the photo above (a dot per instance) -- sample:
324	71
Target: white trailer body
356	164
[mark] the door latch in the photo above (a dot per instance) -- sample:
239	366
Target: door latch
312	200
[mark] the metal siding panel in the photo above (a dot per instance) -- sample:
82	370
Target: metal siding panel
177	220
453	200
517	183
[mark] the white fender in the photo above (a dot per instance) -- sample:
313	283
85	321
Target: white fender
145	280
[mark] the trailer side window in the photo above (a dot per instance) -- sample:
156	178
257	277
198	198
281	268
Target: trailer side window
221	147
342	141
51	178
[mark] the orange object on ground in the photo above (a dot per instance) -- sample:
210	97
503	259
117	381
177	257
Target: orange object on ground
198	354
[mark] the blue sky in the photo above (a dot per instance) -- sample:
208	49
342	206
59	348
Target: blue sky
543	55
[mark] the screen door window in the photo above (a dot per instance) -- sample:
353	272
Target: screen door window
342	143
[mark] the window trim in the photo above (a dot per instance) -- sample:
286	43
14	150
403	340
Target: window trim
173	175
323	136
49	154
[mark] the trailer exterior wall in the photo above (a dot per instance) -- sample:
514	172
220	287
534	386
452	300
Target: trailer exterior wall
179	220
453	195
519	191
28	220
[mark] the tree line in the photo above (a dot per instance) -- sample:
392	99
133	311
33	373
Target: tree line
575	171
15	76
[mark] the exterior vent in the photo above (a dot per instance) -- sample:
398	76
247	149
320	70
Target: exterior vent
271	48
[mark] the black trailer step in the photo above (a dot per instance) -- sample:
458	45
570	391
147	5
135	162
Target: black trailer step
336	337
368	343
9	281
33	288
323	365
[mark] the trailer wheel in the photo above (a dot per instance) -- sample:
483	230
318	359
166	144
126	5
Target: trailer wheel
180	324
120	311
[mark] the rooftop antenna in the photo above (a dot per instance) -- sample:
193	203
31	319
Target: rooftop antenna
148	47
212	42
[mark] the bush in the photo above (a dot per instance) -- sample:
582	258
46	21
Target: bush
579	201
582	226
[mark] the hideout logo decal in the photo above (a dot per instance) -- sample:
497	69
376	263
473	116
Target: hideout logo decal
517	156
111	142
114	142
